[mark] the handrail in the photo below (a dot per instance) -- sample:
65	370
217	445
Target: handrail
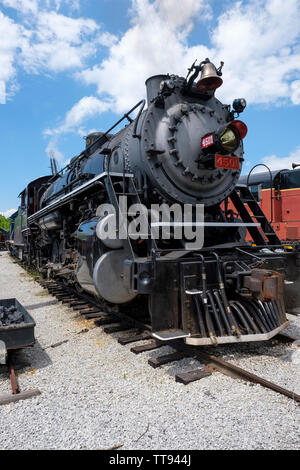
125	116
271	187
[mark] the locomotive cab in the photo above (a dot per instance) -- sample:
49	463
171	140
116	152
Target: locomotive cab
29	203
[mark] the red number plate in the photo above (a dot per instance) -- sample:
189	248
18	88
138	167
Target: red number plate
207	141
230	163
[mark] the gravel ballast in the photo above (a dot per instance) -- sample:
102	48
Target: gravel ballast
97	394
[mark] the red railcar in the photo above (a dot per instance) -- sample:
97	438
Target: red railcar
278	194
3	239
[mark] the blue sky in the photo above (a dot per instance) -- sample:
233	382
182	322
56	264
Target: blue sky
69	67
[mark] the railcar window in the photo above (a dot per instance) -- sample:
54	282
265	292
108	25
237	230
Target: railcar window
291	180
254	191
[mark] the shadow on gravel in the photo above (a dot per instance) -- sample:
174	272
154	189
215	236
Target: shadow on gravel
185	365
41	304
293	329
172	369
272	348
34	358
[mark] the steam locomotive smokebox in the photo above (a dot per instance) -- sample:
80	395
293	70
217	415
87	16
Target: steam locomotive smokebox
152	85
17	335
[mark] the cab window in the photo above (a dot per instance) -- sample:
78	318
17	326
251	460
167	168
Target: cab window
291	180
254	191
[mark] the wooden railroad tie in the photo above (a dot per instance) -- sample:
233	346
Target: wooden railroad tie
132	339
69	299
192	375
104	320
115	327
6	398
175	356
153	344
91	313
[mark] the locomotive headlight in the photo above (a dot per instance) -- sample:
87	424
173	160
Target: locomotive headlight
228	140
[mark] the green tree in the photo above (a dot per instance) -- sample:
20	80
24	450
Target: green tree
4	222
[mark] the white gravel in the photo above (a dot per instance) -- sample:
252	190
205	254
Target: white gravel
97	394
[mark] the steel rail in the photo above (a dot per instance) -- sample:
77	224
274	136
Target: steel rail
17	394
226	368
213	363
13	378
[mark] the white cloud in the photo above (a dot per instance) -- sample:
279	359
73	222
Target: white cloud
33	6
106	39
44	40
53	151
155	43
181	14
23	6
8	213
295	92
87	107
58	43
131	59
10	35
277	163
257	40
52	26
73	4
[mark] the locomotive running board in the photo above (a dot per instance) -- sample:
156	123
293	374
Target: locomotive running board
234	339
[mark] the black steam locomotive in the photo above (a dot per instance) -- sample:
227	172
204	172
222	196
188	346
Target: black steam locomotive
108	223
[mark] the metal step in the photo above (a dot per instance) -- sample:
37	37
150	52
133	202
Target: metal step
242	196
169	335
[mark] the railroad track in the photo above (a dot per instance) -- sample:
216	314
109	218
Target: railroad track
133	330
16	394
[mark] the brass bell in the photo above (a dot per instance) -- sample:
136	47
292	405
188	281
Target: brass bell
210	80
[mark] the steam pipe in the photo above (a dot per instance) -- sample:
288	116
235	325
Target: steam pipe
240	315
222	311
270	313
199	316
257	315
203	296
248	317
213	306
266	317
233	324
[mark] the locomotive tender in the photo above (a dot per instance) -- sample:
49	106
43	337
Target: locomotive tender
185	149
